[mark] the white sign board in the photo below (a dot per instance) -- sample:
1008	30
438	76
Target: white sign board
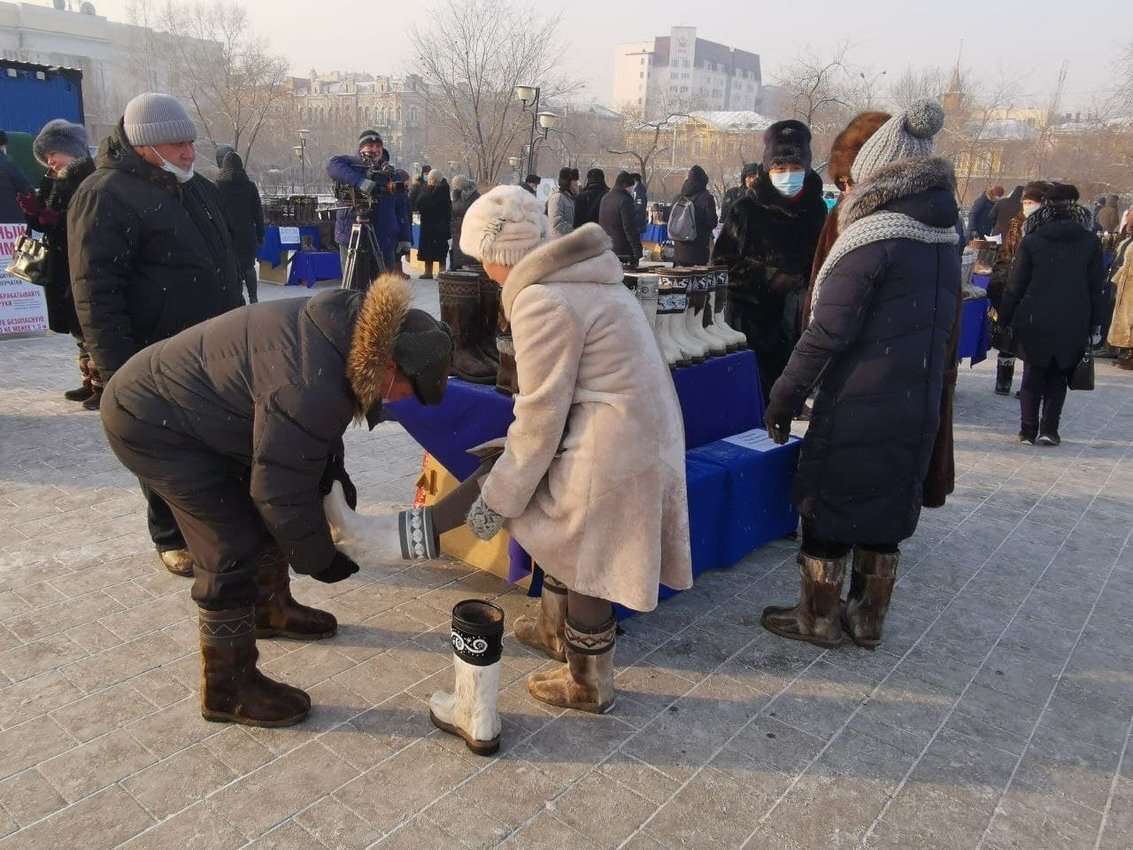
289	236
755	440
23	309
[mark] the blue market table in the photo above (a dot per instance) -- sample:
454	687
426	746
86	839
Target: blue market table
975	331
272	249
655	233
309	267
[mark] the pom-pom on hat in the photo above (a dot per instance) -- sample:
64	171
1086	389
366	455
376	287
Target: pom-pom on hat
906	134
61	136
157	119
504	225
786	143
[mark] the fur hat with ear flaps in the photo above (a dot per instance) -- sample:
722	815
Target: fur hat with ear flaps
786	143
907	134
849	142
387	330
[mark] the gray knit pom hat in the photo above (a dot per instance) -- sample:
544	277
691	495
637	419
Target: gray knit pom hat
906	134
157	119
61	136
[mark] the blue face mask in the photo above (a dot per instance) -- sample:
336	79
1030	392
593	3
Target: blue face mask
788	183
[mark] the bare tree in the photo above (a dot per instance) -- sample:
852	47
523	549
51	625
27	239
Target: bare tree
645	138
915	84
489	47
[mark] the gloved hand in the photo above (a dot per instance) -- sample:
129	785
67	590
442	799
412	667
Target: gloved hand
367	186
777	421
336	471
404	247
483	521
1096	336
29	203
340	568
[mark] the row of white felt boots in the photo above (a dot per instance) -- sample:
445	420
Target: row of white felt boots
688	328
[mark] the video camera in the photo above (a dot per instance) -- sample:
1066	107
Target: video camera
380	178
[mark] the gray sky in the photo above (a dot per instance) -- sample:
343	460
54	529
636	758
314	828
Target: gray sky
1024	39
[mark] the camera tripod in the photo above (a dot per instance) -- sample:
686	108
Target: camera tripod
364	260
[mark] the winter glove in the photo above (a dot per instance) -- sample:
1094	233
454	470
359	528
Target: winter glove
29	203
336	471
341	567
404	247
367	186
483	521
777	421
1096	336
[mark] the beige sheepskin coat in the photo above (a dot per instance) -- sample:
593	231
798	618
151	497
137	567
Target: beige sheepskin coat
592	479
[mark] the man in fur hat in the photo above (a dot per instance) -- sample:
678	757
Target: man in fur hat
768	243
237	423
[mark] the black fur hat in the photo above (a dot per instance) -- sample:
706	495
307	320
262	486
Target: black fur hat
786	143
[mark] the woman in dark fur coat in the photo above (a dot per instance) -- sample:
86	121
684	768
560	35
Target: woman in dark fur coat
435	206
768	243
876	349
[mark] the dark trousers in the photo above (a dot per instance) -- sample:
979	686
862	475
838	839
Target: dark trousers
1043	388
251	280
831	550
163	529
772	350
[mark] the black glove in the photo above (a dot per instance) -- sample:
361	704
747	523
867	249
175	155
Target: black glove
777	421
341	567
336	471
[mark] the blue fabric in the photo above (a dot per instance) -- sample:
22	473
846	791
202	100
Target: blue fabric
655	233
720	397
272	249
311	266
975	331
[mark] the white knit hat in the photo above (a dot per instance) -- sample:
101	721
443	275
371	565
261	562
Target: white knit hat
504	225
157	119
905	135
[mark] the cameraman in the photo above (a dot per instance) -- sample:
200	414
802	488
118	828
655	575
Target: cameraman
371	174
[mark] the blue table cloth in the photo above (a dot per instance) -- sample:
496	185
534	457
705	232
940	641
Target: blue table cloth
655	233
309	267
272	249
975	331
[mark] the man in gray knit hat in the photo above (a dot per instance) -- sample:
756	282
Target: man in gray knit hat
151	254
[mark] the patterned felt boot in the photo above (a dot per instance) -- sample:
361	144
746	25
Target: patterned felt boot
867	603
544	631
816	618
586	682
471	711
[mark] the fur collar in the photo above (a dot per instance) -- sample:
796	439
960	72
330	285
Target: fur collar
901	179
587	248
371	346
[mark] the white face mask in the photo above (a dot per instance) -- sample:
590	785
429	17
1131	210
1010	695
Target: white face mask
788	183
182	175
1029	207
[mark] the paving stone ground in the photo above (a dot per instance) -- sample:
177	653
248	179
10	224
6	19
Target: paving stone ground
997	713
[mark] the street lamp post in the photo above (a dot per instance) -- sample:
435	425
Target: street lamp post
301	152
514	161
541	122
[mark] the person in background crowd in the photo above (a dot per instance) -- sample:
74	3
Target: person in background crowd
389	213
748	175
13	182
435	207
531	183
695	188
589	198
63	148
1053	304
1098	206
464	195
981	221
876	349
1120	335
640	202
241	201
151	253
418	186
238	423
768	243
1006	209
616	218
1032	198
560	205
1108	218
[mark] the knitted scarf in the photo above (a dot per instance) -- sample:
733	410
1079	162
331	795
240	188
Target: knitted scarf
1048	213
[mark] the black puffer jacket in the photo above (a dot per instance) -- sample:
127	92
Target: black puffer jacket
695	188
876	348
149	257
272	387
242	205
1053	296
1004	210
435	206
589	200
55	195
615	215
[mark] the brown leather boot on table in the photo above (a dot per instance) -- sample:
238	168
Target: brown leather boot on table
277	613
232	689
544	632
817	618
586	682
867	603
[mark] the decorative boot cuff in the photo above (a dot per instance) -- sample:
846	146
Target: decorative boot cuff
226	626
477	632
418	535
483	521
590	641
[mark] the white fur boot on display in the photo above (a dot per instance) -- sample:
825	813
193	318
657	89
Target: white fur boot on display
471	710
673	301
736	340
699	304
382	539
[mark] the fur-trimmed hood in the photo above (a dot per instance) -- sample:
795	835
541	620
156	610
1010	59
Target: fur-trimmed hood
582	255
371	346
896	181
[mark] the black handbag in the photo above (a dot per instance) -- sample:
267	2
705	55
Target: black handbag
1082	375
29	260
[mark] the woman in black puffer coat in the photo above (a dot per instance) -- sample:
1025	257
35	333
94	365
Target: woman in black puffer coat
1053	303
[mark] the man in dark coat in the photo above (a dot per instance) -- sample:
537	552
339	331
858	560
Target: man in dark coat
640	202
615	215
13	182
768	243
695	188
434	204
981	220
238	423
151	254
464	194
876	349
63	148
1004	210
1053	304
748	175
586	205
241	201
